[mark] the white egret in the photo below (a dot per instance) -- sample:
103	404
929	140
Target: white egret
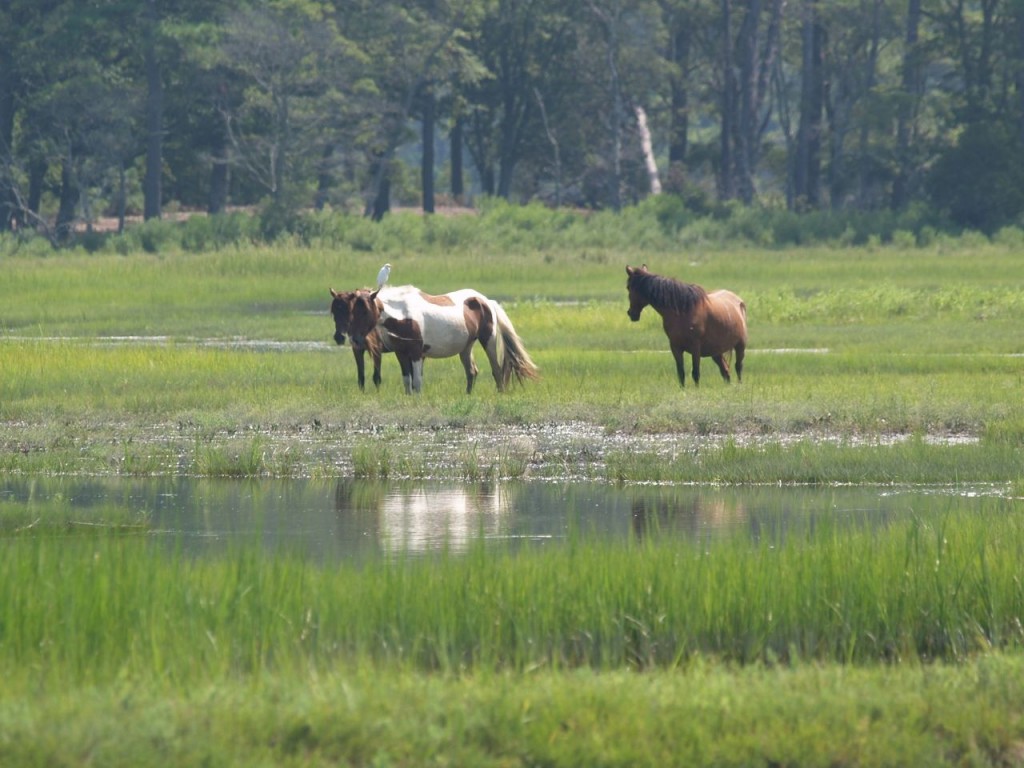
383	275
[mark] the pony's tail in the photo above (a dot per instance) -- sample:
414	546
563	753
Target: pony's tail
512	355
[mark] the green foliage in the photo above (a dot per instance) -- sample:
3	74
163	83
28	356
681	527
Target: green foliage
980	181
663	222
942	587
208	233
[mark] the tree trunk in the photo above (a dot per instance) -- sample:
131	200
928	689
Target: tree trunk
219	176
457	183
905	122
746	125
37	168
726	185
122	197
647	149
609	21
324	180
68	201
508	154
380	204
1018	19
555	148
755	54
8	198
152	184
863	148
615	180
807	186
679	114
427	161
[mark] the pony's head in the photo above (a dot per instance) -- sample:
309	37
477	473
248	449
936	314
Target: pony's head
363	316
341	309
637	298
355	314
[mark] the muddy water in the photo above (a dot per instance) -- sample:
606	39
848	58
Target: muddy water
346	519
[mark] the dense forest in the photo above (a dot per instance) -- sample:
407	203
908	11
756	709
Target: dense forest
117	107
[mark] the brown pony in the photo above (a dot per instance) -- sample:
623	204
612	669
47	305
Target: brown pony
695	321
341	308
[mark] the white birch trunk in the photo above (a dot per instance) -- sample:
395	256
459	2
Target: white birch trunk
648	150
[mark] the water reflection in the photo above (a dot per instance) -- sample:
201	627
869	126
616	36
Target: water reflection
417	518
346	519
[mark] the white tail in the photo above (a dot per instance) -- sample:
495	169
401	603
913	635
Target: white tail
512	355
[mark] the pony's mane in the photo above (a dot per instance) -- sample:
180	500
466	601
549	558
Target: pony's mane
667	292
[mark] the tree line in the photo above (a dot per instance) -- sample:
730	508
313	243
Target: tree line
119	106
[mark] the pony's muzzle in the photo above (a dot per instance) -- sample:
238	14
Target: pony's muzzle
634	316
339	338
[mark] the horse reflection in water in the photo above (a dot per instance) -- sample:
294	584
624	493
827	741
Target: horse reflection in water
691	513
423	520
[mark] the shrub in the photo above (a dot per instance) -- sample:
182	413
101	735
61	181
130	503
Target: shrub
980	181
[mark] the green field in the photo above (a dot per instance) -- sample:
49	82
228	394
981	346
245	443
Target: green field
877	364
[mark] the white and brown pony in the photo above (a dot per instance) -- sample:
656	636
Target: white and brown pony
695	321
416	325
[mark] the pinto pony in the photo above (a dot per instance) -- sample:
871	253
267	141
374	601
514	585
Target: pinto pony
415	325
341	309
695	321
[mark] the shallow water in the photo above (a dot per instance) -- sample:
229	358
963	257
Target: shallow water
352	519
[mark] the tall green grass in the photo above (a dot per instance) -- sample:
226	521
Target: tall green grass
816	462
89	608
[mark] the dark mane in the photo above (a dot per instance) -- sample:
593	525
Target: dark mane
667	292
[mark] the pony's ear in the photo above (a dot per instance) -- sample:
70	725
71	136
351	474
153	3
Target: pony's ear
629	270
373	294
334	293
643	267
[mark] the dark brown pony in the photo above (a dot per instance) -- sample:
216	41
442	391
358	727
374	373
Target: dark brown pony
341	308
695	321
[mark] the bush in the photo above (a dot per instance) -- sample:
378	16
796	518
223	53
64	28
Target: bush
203	233
980	181
153	236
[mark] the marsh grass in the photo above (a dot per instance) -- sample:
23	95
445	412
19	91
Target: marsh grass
114	645
247	459
371	461
911	460
833	417
91	608
936	715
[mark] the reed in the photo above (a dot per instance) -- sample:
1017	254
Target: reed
812	462
89	607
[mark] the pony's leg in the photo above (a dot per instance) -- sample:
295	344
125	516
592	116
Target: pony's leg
695	368
406	364
723	366
469	364
741	349
680	366
376	369
360	369
417	375
491	348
